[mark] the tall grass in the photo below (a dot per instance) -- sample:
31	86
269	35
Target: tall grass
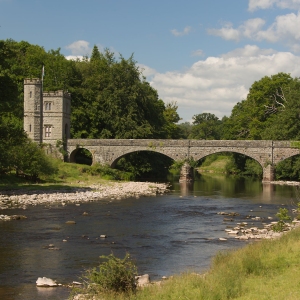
262	270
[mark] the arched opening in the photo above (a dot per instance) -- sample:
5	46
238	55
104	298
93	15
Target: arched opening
145	165
81	156
288	169
230	163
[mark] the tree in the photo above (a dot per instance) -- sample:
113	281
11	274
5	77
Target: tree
206	127
248	117
285	123
172	130
117	101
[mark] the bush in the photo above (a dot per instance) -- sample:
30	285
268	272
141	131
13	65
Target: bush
283	216
113	275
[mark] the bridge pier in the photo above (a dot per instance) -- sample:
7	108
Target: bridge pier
268	173
186	173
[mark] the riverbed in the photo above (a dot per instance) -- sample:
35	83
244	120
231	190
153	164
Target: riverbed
165	234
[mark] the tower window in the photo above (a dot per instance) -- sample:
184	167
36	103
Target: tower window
47	105
48	130
30	128
30	94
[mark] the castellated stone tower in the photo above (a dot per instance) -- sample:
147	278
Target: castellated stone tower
33	109
47	115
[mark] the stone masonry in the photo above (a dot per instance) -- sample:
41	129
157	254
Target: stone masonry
266	153
47	115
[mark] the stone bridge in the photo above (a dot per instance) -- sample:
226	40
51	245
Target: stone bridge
109	151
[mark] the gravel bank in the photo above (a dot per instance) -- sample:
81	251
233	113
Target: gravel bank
112	190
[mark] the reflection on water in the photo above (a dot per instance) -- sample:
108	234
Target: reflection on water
165	234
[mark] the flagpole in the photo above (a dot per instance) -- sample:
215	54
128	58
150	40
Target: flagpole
43	74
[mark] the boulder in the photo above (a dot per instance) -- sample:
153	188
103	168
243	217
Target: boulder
44	281
143	280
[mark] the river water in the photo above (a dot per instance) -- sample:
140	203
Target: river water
165	234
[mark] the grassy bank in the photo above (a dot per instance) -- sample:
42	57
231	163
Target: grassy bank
67	174
262	270
215	164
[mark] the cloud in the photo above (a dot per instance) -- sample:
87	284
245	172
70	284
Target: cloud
79	48
227	32
198	52
147	71
74	57
265	4
285	29
216	84
249	29
185	31
248	51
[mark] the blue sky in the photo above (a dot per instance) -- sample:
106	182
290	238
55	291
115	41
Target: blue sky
204	55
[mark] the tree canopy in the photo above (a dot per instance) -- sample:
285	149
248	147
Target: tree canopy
112	99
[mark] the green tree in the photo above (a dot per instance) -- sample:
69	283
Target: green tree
117	101
249	117
171	128
206	127
285	123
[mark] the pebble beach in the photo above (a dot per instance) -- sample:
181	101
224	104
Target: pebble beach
113	190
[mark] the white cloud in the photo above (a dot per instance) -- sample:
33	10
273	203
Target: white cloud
285	29
147	71
249	29
216	84
249	51
198	52
74	57
227	32
265	4
185	31
79	48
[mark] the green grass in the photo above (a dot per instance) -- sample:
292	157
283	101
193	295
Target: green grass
68	175
216	166
262	270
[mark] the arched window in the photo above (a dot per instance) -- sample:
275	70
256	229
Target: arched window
47	105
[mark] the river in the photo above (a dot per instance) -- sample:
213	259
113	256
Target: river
165	235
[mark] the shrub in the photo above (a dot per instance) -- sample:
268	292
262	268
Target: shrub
283	216
114	275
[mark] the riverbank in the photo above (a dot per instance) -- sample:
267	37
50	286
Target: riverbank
264	270
23	198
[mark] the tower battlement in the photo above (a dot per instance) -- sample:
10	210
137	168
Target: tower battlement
59	93
32	81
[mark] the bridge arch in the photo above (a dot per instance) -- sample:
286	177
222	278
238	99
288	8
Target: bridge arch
201	156
126	153
77	156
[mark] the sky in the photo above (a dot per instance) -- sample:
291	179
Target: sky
203	55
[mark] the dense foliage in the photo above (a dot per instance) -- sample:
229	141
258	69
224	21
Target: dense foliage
112	99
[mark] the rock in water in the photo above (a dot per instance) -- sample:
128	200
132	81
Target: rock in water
44	281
